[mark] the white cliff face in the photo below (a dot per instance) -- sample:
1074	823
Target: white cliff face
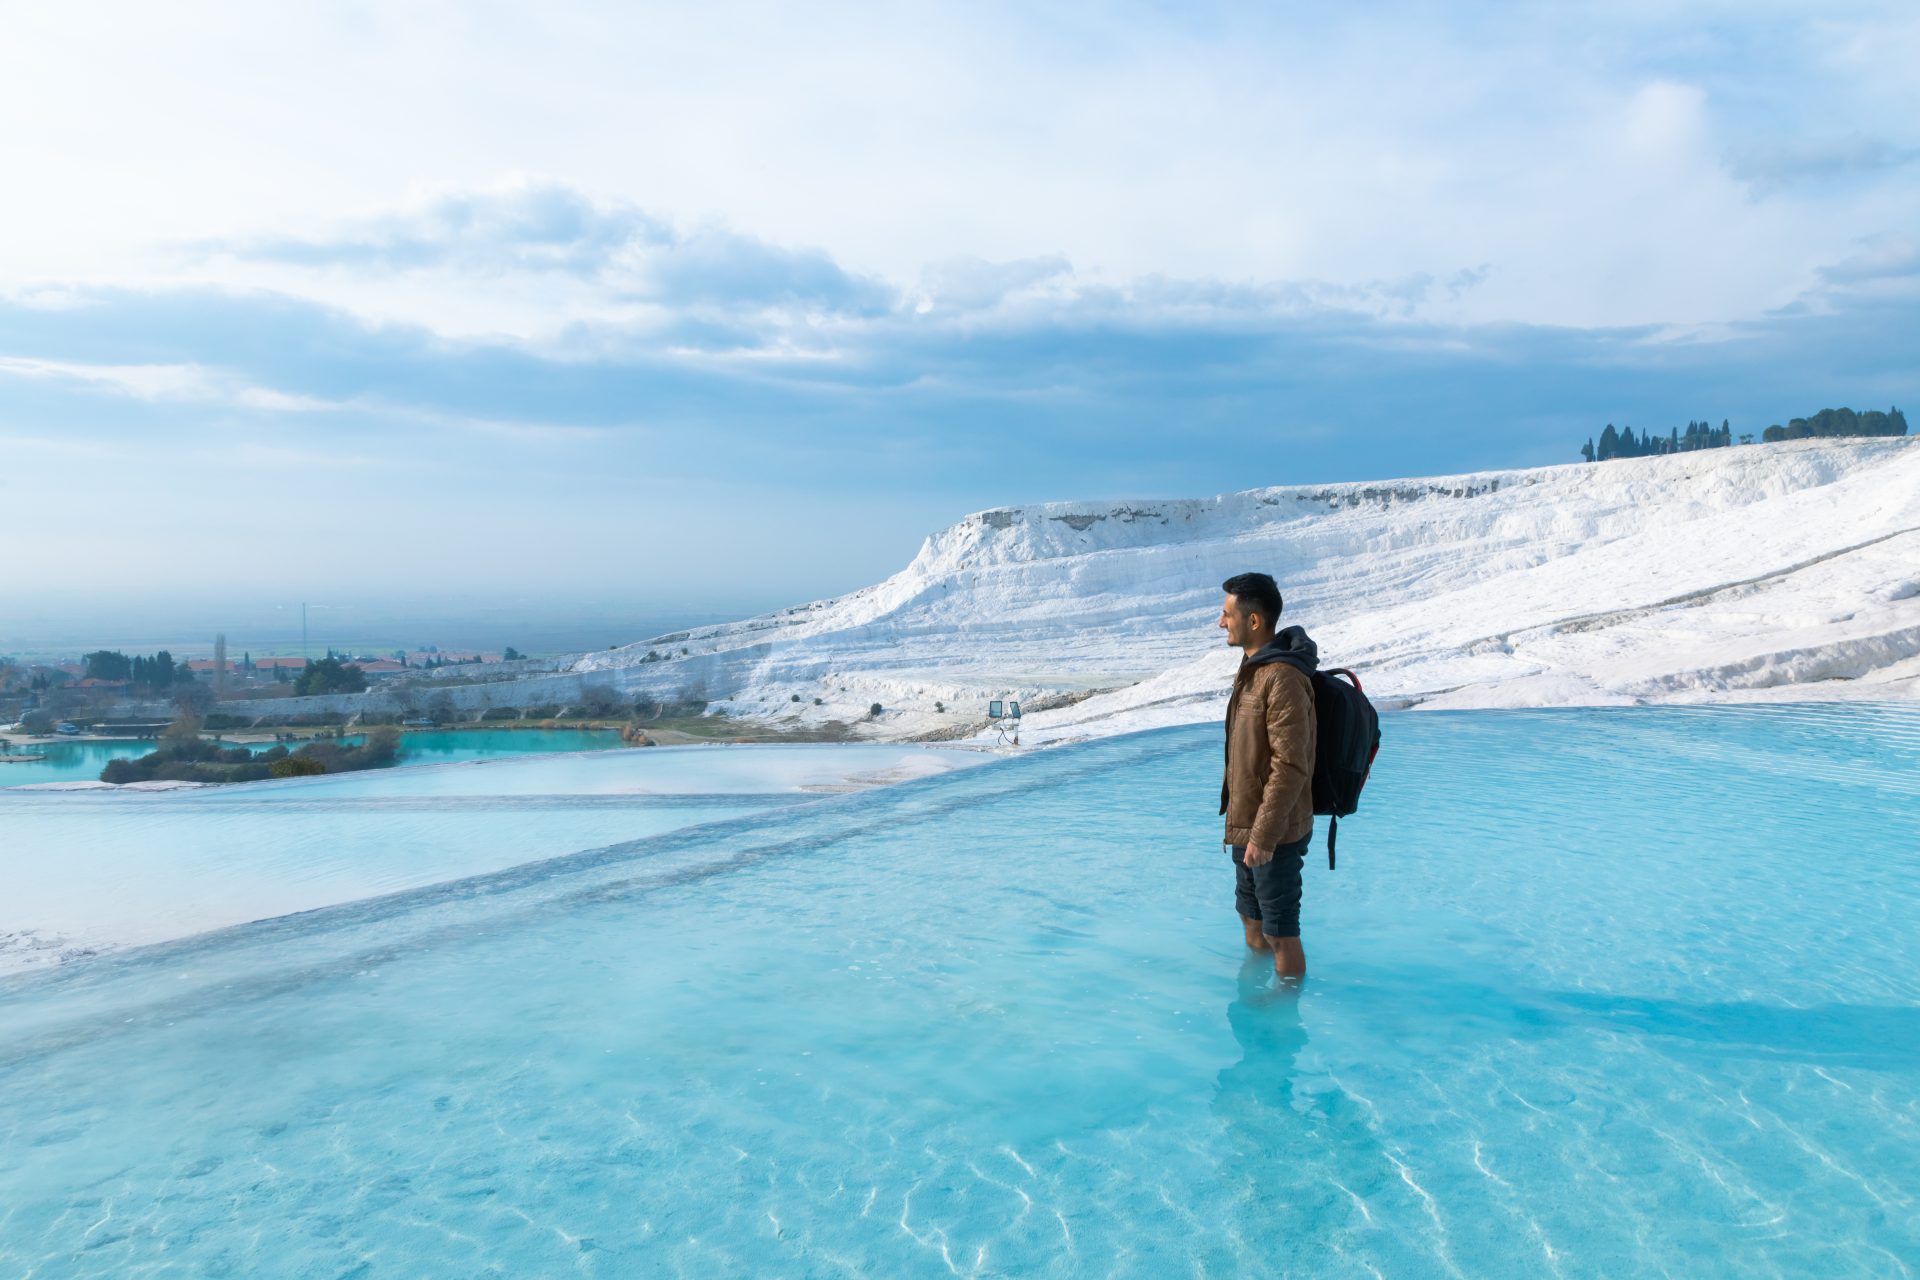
1758	571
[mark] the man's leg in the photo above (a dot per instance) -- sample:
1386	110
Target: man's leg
1247	902
1276	886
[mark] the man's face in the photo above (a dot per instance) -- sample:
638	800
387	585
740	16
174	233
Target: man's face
1236	620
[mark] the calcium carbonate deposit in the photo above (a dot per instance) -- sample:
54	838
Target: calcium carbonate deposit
1778	571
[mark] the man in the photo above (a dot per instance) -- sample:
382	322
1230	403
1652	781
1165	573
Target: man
1267	796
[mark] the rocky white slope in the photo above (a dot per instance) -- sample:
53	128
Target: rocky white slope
1759	571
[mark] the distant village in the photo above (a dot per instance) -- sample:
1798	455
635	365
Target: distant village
111	691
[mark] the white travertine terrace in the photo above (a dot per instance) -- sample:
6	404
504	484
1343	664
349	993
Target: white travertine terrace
1775	571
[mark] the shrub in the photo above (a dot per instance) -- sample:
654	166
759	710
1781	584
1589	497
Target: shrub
795	698
875	709
500	713
382	747
819	702
196	760
326	754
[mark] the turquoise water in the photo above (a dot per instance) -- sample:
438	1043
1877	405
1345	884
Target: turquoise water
714	770
1622	992
77	761
86	871
83	759
445	746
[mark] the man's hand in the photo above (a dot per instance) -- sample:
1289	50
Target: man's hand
1255	856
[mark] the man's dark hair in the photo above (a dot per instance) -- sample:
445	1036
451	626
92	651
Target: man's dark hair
1258	592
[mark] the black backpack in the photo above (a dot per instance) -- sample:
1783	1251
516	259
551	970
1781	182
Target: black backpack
1348	740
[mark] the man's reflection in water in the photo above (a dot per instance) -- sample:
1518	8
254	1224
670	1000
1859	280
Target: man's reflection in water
1273	1139
1265	1020
1301	1155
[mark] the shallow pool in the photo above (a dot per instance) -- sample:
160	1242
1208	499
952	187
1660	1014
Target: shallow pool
444	746
82	759
1624	992
86	871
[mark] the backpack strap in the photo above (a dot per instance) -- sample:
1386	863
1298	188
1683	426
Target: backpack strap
1333	833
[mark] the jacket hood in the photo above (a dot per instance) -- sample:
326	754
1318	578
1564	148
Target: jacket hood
1292	646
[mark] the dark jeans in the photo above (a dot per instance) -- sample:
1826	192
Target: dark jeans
1270	893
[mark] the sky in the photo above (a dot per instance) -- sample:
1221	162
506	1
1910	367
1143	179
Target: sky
715	308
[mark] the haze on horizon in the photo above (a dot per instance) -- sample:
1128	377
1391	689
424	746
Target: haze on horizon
734	306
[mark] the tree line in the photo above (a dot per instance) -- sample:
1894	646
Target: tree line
1839	422
157	672
1624	444
1701	435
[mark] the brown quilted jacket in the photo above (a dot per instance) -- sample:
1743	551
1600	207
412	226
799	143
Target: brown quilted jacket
1267	794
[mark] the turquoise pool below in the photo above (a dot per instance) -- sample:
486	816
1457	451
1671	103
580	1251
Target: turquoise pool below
1609	992
86	871
82	759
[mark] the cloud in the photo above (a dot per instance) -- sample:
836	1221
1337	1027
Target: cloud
548	228
974	284
1034	335
178	382
829	468
1778	166
1883	261
714	266
1582	150
712	289
1467	279
524	227
1175	250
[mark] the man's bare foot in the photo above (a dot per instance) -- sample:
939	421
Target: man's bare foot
1255	939
1289	958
